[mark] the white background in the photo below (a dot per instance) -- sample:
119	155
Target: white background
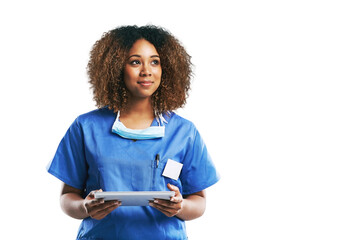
275	96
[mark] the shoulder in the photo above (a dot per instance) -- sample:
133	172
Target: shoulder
176	119
178	125
95	117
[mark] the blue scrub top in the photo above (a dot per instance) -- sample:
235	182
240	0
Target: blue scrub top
91	157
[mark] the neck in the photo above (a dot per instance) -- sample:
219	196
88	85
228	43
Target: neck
139	108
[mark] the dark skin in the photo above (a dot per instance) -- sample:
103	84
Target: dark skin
187	208
77	207
142	76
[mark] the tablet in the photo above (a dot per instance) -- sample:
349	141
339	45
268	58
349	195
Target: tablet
136	198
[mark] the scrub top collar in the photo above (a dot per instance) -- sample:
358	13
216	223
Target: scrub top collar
151	132
160	117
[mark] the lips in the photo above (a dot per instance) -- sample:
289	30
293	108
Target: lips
145	83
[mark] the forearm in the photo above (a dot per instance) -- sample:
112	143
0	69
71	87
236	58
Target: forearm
193	207
73	205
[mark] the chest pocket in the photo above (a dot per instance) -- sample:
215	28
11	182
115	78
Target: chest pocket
160	182
125	173
141	174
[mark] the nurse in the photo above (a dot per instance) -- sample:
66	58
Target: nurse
139	76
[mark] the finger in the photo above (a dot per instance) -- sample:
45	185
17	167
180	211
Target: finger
168	204
102	214
170	207
173	188
105	205
103	210
94	202
90	205
164	210
92	193
177	197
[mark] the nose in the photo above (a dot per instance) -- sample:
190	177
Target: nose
145	71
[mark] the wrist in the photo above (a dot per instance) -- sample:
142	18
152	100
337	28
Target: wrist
82	208
181	211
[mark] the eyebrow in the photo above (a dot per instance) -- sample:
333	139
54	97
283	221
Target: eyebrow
152	56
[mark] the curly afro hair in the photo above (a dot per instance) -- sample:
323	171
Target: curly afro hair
107	62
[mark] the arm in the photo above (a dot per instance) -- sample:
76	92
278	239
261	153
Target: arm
188	208
193	206
77	207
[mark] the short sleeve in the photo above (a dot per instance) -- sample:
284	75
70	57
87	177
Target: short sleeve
69	163
198	171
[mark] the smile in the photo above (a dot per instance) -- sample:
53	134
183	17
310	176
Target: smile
145	83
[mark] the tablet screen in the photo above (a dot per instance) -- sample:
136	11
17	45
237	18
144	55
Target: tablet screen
136	198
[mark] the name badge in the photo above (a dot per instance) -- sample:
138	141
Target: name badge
172	169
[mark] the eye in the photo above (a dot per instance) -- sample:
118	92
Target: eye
134	62
155	62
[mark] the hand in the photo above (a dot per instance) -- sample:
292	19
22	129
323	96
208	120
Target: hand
98	208
169	207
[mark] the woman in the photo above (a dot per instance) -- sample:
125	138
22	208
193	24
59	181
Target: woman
139	76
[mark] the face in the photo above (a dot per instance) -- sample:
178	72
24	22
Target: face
142	73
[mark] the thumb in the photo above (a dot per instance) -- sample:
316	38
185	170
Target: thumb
92	193
177	197
172	187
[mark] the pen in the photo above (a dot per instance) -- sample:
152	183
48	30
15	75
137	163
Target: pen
157	158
